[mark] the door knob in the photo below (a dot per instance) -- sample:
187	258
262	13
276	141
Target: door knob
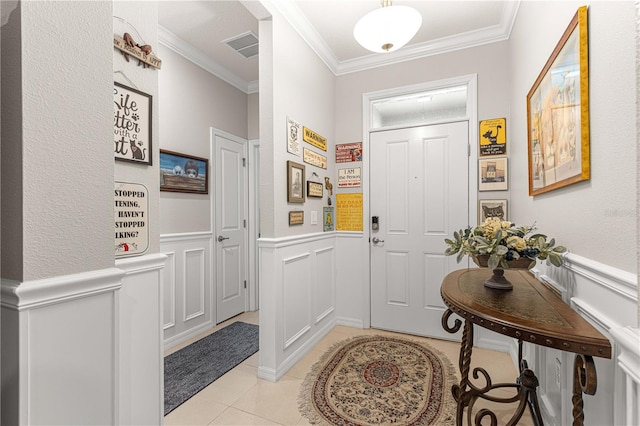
221	238
376	240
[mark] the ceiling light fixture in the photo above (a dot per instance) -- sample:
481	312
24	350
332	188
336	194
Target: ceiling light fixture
388	28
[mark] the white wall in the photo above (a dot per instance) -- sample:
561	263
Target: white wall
80	338
192	101
304	89
595	219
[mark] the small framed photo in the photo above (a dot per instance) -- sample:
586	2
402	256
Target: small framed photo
295	182
327	219
183	173
131	124
492	208
296	218
493	174
314	189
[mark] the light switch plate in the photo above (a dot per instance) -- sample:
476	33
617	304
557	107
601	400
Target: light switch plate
314	217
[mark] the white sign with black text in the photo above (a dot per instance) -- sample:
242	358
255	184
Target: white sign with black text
349	178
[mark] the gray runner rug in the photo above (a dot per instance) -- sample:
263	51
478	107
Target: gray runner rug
192	368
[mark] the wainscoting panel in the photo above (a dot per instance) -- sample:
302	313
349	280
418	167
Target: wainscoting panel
297	297
141	341
187	286
325	297
297	291
60	351
194	279
608	299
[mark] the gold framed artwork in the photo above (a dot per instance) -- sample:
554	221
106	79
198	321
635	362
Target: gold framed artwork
295	182
558	113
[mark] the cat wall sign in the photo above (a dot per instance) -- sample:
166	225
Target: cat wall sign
493	137
131	124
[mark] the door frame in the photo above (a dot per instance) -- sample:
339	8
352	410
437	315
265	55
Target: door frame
214	262
471	81
253	166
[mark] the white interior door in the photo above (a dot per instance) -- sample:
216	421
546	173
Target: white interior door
420	193
230	226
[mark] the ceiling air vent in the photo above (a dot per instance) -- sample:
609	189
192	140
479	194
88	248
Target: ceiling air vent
245	44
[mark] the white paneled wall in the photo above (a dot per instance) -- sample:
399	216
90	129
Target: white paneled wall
608	299
298	298
187	286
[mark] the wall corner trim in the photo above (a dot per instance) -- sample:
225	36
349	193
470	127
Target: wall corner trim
133	265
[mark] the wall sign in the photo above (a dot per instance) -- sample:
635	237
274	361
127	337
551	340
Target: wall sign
131	124
296	218
314	139
293	136
315	159
349	178
348	152
131	202
349	212
493	137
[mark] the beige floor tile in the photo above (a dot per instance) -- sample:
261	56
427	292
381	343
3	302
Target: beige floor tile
233	416
196	411
277	402
252	361
230	387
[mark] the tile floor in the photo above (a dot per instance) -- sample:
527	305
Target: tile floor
240	398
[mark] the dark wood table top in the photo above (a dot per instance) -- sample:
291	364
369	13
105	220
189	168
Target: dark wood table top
530	312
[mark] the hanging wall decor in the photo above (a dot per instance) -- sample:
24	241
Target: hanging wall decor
558	113
295	182
313	158
293	136
183	173
142	53
314	139
493	137
131	124
493	174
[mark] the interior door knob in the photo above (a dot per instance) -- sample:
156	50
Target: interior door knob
221	238
376	240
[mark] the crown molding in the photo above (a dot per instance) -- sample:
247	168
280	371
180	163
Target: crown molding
181	47
487	35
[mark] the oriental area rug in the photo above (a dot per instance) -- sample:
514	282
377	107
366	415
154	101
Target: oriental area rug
379	380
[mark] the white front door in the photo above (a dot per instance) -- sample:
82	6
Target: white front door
420	192
230	225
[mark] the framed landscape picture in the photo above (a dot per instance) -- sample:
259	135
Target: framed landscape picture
183	173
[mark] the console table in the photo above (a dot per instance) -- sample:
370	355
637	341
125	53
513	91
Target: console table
531	312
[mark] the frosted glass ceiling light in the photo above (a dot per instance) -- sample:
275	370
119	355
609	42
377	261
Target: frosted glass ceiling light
388	28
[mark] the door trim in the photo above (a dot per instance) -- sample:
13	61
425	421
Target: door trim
471	80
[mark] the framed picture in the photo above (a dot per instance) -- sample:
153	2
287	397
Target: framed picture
131	124
183	173
296	218
492	208
295	182
558	113
493	174
314	189
327	219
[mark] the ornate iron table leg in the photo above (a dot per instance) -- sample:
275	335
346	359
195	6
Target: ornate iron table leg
584	381
459	391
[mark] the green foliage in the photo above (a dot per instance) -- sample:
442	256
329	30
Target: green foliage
503	241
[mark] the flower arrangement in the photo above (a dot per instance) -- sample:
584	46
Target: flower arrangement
502	241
